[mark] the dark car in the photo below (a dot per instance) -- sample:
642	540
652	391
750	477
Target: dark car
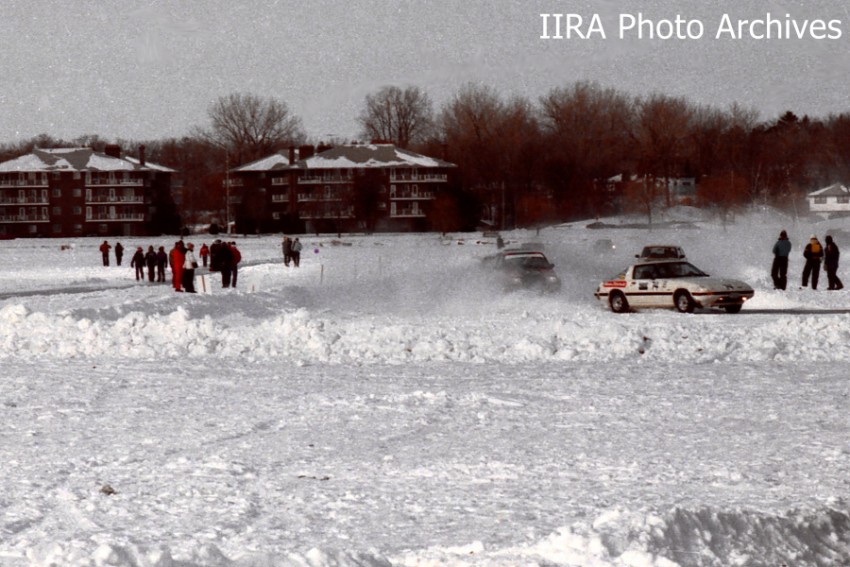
523	269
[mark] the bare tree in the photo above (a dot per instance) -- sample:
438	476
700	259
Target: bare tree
401	116
249	127
663	131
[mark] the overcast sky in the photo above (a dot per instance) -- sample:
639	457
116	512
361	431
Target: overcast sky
149	70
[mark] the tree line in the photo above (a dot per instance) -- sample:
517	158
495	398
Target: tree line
524	162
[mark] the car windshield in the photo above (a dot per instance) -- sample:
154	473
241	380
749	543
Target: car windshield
660	252
669	270
527	262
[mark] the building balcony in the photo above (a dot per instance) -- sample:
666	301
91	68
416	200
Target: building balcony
407	213
412	196
319	197
321	179
24	218
130	200
115	183
17	183
343	214
422	177
117	217
25	201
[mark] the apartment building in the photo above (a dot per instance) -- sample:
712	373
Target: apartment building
65	192
349	188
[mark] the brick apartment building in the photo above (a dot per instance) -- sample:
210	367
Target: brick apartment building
350	188
80	192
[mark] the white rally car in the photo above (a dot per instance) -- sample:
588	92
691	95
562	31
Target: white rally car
671	283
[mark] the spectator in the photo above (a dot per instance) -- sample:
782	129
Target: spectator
189	265
161	263
224	260
119	253
779	269
287	251
296	253
104	251
204	253
176	258
830	257
813	254
150	260
234	263
138	262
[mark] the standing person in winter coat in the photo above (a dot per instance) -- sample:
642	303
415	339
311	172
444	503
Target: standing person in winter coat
138	262
224	259
813	254
150	260
189	265
296	253
161	263
287	251
177	257
234	263
830	263
119	253
204	253
104	251
779	270
215	258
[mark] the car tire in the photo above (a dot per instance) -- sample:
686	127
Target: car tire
733	308
617	302
684	302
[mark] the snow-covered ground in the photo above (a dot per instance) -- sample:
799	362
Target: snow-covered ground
383	404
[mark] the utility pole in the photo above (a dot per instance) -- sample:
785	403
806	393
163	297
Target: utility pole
227	191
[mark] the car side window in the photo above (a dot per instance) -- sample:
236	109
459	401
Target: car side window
644	272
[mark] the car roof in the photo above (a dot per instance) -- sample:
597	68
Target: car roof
507	253
662	261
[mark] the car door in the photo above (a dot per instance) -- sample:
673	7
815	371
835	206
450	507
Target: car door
641	286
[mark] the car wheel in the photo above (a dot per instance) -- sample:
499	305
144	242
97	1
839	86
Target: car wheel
618	302
684	302
733	308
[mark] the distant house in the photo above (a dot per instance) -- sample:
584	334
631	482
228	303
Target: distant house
830	201
80	192
358	187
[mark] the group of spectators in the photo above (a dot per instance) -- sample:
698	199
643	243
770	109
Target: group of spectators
222	257
291	251
814	253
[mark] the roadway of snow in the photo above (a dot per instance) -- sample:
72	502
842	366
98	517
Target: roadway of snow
383	404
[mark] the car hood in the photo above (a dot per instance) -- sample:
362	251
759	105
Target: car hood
719	284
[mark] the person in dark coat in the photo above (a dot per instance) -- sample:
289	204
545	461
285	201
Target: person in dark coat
813	255
830	263
150	260
138	262
224	260
287	251
779	270
104	251
119	253
161	263
215	258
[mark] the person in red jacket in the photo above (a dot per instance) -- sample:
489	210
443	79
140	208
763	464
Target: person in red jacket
104	250
204	253
236	257
177	257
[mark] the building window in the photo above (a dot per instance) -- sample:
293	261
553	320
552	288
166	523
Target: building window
820	200
57	211
57	193
57	228
276	216
32	229
78	210
78	192
78	229
843	200
77	175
